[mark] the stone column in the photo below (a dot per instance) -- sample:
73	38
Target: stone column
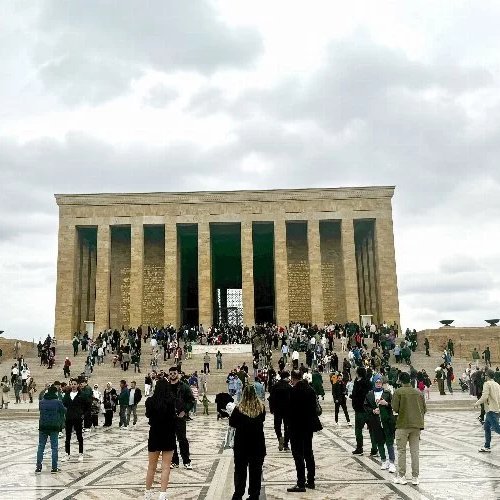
366	279
373	279
315	278
350	271
281	273
93	264
387	284
205	309
103	277
247	273
67	255
171	287
136	271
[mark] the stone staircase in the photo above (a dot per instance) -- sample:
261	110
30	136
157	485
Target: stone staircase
217	379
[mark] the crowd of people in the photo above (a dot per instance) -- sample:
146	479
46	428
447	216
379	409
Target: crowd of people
387	395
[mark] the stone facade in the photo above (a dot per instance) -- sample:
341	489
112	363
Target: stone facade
119	258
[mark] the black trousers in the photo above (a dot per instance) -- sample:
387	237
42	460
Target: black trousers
87	420
337	408
278	420
108	418
180	434
77	426
206	367
303	456
254	467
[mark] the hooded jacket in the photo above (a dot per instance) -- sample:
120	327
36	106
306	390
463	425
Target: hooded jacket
52	413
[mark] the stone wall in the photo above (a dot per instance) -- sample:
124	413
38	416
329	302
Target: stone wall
464	340
119	303
153	281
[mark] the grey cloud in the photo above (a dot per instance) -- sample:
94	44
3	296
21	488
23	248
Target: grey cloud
440	283
89	51
207	101
160	96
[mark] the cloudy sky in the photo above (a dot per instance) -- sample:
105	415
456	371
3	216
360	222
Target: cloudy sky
173	95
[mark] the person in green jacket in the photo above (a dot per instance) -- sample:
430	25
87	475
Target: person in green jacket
317	384
409	404
52	415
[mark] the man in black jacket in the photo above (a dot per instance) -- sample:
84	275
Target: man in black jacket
184	401
304	422
362	386
279	403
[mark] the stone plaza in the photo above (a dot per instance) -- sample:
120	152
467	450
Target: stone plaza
116	461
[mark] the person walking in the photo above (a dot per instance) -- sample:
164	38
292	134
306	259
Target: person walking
160	410
491	401
109	398
304	422
249	448
409	404
135	396
74	404
360	389
52	413
183	405
279	405
4	392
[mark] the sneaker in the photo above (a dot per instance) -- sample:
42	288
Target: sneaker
67	457
392	468
415	481
349	424
174	466
384	465
38	469
357	451
55	471
148	494
80	457
188	466
400	480
311	486
280	443
296	489
483	449
373	453
162	495
286	448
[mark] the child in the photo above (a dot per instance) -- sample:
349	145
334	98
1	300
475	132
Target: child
196	394
205	403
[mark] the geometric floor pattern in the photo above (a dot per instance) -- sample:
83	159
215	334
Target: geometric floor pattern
116	461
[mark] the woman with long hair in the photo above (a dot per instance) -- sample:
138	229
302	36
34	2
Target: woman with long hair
160	409
249	444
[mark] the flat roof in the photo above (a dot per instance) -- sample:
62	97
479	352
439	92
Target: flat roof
230	196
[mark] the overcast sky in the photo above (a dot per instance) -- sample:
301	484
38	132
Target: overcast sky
169	96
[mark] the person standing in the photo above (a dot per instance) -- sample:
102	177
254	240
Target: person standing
74	404
123	401
218	359
304	422
490	398
4	392
249	444
183	404
409	404
160	410
360	389
206	363
487	357
279	405
339	393
427	346
135	396
51	421
109	398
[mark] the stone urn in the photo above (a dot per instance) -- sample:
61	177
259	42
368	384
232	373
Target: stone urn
447	322
492	322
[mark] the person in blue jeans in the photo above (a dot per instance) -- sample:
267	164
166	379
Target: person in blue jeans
491	400
52	415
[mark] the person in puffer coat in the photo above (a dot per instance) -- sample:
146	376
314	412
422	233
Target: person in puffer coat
52	415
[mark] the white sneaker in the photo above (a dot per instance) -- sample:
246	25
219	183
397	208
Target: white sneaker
415	481
162	495
188	466
148	494
80	457
384	465
484	450
400	480
67	457
392	468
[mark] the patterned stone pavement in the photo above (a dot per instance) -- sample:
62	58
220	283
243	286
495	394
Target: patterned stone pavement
115	464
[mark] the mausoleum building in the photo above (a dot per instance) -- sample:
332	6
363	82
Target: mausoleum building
239	257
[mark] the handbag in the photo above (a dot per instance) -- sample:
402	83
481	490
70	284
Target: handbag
319	410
